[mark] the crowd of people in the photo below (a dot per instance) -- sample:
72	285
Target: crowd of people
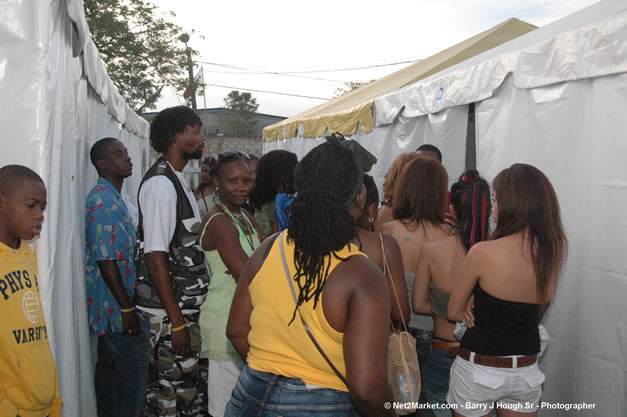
287	277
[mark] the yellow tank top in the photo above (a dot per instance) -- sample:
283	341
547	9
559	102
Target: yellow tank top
286	350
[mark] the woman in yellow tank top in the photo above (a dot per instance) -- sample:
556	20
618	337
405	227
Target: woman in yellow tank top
341	296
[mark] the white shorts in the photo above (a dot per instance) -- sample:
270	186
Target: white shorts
475	390
222	379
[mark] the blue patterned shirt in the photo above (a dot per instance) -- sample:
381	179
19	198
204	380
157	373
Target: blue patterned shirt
109	235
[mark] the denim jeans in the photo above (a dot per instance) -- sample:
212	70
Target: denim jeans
435	383
122	374
269	395
423	346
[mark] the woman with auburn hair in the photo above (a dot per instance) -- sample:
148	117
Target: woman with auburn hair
436	277
389	183
419	202
512	277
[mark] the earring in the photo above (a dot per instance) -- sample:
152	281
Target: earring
370	220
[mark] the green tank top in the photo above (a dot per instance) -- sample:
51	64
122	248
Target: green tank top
214	313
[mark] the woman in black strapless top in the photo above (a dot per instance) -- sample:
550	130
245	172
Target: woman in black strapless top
512	276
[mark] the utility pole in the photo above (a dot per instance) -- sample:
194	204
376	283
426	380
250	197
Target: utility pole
204	91
190	69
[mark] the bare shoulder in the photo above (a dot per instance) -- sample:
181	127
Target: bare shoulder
389	226
388	240
220	224
440	244
361	271
216	217
482	248
391	244
432	249
480	253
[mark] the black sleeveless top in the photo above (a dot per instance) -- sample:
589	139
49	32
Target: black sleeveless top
503	328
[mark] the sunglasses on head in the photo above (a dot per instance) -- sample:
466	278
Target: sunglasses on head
229	154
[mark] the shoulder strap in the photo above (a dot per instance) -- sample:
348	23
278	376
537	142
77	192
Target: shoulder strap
236	223
270	244
311	336
386	272
204	229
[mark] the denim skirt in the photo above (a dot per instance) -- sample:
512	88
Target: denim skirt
262	394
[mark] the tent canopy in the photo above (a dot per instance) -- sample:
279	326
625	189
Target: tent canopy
573	48
354	108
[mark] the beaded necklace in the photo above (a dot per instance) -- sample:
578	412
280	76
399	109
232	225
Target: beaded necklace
241	225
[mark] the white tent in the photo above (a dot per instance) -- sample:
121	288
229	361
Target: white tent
355	111
555	98
58	100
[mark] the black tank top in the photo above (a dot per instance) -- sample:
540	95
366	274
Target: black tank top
503	328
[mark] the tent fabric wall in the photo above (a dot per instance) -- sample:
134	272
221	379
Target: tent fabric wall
574	132
446	130
57	101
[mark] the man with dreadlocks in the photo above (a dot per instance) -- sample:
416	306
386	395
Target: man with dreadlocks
172	277
311	313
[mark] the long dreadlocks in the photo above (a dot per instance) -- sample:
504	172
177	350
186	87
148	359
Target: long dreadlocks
327	181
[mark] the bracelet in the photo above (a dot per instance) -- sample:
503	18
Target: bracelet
177	329
127	310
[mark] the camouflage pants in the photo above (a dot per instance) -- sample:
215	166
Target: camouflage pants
173	380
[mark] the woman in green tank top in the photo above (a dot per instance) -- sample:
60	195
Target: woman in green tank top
229	236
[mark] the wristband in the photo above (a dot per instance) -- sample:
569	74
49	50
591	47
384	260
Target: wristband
127	310
178	329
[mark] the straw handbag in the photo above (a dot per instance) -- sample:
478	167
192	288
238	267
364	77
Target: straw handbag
402	364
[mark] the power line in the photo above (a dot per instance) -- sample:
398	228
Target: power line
253	71
354	68
268	92
312	71
269	73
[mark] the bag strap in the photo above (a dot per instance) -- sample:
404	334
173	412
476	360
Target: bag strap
311	336
386	272
271	239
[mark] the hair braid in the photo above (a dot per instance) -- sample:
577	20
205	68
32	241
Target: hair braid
327	180
470	199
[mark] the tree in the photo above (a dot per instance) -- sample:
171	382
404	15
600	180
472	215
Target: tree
240	116
141	49
350	86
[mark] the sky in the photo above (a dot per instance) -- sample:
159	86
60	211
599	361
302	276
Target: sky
315	40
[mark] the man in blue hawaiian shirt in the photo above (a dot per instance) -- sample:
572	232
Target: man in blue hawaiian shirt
123	340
